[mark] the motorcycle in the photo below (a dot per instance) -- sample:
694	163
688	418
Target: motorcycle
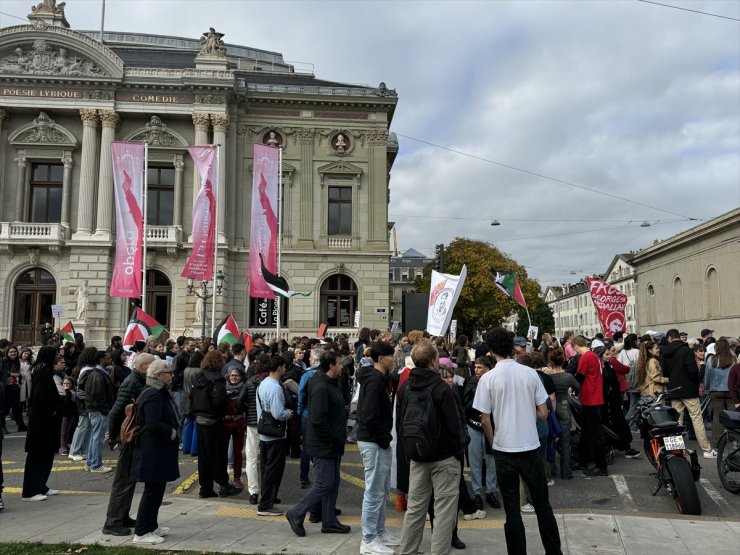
678	467
728	451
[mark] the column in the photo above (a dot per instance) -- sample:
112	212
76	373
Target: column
220	125
66	193
305	237
177	209
20	192
200	121
3	145
104	227
377	185
86	196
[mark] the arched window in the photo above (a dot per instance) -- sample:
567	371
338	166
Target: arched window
338	301
35	293
678	306
651	315
712	293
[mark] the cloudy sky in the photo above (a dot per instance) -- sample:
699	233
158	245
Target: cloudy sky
635	105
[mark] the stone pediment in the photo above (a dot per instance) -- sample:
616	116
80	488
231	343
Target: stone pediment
340	169
40	50
42	131
157	134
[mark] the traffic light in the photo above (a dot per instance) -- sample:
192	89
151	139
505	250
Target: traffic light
439	253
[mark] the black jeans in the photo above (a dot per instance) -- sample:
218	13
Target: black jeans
531	468
323	493
13	405
122	489
36	473
151	501
212	456
272	465
592	438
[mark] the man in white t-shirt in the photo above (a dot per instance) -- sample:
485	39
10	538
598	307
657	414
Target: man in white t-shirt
510	399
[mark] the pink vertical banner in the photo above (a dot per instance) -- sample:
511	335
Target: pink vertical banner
201	262
128	182
263	238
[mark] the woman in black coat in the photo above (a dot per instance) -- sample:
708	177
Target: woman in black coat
156	450
44	425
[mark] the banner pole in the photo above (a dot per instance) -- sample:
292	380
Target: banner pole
215	243
143	250
280	233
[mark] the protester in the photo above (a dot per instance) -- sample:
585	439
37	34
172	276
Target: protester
716	376
649	375
81	437
156	450
302	410
234	421
68	410
589	375
26	363
628	356
510	399
13	387
99	399
564	384
248	400
118	522
189	432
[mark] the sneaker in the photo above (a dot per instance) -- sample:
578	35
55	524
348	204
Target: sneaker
593	471
162	531
632	454
272	511
550	483
528	508
375	547
207	494
296	526
116	531
148	539
101	469
37	497
228	491
711	454
64	453
87	468
389	539
52	492
253	499
477	515
229	469
493	501
76	458
478	500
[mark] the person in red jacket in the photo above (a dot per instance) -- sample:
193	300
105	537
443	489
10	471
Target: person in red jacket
592	399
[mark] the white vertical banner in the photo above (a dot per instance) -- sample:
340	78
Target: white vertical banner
453	331
443	295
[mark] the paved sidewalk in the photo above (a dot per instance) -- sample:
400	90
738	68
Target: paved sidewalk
217	526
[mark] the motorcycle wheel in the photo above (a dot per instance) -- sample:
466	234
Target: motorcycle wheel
686	495
730	478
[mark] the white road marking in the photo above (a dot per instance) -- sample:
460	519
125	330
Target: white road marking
716	496
624	491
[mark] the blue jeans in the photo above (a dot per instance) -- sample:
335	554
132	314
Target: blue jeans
632	412
377	463
190	436
563	411
476	454
81	437
98	427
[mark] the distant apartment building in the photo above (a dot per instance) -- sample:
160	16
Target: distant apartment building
403	270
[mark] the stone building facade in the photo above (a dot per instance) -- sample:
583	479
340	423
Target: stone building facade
65	95
690	281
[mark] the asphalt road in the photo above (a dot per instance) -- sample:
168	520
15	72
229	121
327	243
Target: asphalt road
627	490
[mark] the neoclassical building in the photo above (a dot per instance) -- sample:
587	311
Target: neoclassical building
690	281
65	95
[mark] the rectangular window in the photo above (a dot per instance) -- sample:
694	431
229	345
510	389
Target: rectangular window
46	193
340	211
160	196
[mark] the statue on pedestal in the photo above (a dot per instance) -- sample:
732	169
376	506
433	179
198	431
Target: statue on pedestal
82	298
211	44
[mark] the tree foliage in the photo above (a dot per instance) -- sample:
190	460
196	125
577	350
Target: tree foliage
482	305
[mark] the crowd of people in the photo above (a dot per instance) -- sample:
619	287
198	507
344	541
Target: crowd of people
419	409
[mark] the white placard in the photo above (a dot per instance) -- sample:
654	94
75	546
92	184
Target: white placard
394	326
533	331
357	318
57	310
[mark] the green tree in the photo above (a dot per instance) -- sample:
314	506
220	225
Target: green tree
542	317
482	305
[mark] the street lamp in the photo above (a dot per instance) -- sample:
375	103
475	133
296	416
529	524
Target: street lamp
203	294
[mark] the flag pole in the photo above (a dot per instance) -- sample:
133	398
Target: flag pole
280	233
143	250
215	244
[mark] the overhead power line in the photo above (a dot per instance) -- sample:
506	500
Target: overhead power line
543	176
689	10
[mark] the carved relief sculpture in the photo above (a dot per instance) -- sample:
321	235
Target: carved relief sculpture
41	59
211	44
272	139
44	131
49	6
339	144
82	298
156	134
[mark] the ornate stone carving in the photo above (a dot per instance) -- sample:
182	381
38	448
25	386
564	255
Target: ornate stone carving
3	116
33	256
44	131
201	121
179	164
156	134
306	136
220	122
109	118
42	59
68	161
89	117
377	137
100	95
149	258
272	138
211	44
49	6
211	99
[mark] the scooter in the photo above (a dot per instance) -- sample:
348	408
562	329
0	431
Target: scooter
678	468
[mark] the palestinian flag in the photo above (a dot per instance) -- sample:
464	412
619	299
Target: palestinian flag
67	333
227	331
140	327
278	283
509	285
155	328
247	340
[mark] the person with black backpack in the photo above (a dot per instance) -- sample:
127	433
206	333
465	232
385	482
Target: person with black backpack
430	426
